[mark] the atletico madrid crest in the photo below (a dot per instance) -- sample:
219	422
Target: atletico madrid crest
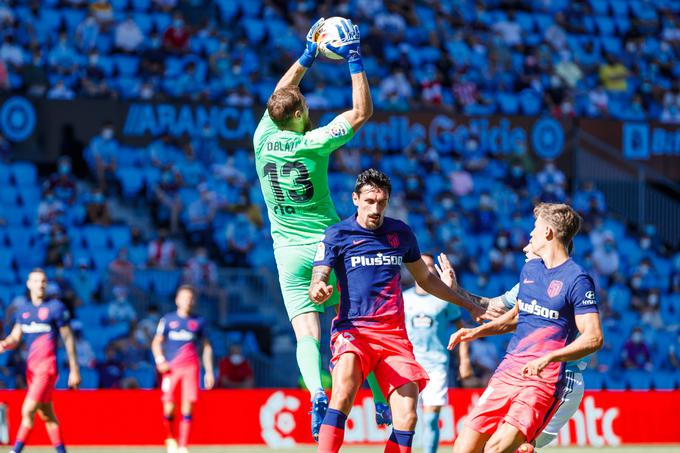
393	240
43	313
192	325
554	288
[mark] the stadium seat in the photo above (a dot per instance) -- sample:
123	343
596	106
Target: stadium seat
615	381
145	376
131	181
95	237
665	380
90	379
127	65
23	174
600	7
639	380
119	5
141	5
593	380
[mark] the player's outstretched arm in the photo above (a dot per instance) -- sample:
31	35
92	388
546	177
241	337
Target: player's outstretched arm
209	379
12	340
70	345
590	340
319	289
504	324
494	306
433	285
362	103
297	71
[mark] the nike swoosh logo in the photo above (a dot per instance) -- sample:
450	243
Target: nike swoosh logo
358	242
528	282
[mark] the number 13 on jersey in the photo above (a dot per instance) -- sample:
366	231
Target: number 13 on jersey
302	189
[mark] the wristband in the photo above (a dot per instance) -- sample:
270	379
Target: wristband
159	359
306	59
356	64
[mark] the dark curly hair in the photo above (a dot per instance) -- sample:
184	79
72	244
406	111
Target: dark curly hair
373	178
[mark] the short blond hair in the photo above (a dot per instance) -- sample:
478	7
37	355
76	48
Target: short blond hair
563	219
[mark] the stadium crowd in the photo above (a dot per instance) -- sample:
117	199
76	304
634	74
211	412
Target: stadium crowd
594	58
582	58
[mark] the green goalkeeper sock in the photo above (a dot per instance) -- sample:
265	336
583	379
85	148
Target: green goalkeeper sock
309	361
378	396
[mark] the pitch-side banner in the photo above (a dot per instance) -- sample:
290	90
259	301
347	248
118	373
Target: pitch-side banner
279	418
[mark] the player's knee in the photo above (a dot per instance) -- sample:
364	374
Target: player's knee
493	446
409	420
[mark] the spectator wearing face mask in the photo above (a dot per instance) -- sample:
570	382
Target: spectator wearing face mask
606	258
62	183
176	37
101	155
97	209
120	309
674	354
651	315
121	270
201	273
235	371
161	251
635	354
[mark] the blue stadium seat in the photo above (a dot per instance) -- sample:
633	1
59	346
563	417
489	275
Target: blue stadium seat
605	25
141	5
162	21
639	380
508	103
145	376
119	236
615	381
665	380
6	258
90	379
73	17
127	65
24	174
254	29
593	380
600	7
119	5
530	102
131	181
95	237
144	22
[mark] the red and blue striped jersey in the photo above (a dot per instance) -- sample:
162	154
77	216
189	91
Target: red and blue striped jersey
40	326
182	337
549	301
367	264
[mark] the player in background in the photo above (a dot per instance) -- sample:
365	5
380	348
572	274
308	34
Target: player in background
38	322
175	349
573	377
428	322
366	251
292	165
556	301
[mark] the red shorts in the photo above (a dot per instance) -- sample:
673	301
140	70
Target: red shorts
40	386
187	377
527	407
389	355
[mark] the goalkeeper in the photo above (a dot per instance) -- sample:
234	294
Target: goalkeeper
292	165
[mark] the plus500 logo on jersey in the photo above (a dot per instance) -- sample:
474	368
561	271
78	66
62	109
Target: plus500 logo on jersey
378	260
536	309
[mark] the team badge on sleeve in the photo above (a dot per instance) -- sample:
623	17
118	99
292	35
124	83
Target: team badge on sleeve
337	130
320	252
554	288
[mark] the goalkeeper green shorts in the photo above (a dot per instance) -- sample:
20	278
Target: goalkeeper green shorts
294	264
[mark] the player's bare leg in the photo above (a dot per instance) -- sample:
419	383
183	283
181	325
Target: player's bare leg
168	422
431	428
404	403
507	438
347	380
28	410
46	413
187	410
470	441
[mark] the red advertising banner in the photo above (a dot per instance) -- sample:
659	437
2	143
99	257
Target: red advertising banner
278	418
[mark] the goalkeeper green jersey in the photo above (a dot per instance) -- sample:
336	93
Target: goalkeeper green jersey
293	172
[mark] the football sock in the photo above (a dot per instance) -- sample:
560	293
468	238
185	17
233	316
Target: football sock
22	437
168	425
378	396
54	433
184	428
309	361
332	432
431	432
399	442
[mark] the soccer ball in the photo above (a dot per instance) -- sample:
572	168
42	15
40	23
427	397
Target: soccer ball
328	34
